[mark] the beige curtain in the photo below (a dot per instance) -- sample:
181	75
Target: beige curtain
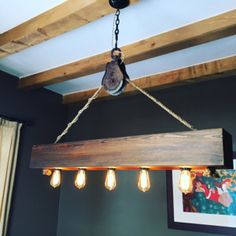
9	143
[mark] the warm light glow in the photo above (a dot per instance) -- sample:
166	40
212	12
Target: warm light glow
80	180
56	179
47	172
144	183
185	181
110	182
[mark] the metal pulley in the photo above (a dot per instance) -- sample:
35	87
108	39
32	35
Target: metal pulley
114	79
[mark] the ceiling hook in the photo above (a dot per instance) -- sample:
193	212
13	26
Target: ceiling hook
119	4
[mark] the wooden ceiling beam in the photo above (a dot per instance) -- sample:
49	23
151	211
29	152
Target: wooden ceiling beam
195	73
63	18
197	33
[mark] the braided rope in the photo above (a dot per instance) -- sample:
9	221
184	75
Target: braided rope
159	103
85	107
96	94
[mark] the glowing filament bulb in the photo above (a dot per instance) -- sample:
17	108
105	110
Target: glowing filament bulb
185	181
144	183
80	180
110	182
56	179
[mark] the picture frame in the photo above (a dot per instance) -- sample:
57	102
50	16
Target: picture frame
204	222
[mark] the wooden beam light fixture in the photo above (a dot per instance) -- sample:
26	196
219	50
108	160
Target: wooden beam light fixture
195	149
191	149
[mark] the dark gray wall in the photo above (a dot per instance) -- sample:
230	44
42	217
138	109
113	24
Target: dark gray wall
34	205
126	212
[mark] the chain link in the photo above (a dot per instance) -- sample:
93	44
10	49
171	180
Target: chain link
116	32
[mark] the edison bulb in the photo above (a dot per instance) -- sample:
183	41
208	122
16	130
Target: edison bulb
144	183
80	180
110	182
185	181
56	179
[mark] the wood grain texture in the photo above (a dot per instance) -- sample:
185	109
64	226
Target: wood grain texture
158	151
200	32
63	18
205	71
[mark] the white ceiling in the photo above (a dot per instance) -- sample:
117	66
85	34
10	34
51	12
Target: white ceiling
15	12
139	21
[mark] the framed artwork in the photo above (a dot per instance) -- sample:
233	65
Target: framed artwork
210	208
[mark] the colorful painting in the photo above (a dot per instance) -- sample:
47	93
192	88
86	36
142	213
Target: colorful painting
210	208
212	195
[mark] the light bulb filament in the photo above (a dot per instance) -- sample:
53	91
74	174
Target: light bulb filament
110	182
80	180
144	183
56	179
185	181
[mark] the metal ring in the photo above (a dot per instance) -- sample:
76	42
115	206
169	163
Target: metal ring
113	56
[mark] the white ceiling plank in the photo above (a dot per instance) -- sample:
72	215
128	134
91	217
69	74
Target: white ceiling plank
15	12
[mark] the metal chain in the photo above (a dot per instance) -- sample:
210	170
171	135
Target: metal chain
116	31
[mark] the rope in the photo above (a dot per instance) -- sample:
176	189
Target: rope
85	107
159	103
113	30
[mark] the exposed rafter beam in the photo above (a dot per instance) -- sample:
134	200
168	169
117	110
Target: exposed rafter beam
200	32
65	17
195	73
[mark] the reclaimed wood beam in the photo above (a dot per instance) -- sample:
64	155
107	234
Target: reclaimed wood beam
212	147
197	33
205	71
63	18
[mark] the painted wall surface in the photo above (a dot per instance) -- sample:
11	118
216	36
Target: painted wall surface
125	212
34	204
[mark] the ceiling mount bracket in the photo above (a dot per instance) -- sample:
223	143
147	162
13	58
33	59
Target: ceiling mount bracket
119	4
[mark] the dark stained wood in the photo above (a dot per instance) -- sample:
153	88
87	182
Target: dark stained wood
228	150
205	71
197	33
158	151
